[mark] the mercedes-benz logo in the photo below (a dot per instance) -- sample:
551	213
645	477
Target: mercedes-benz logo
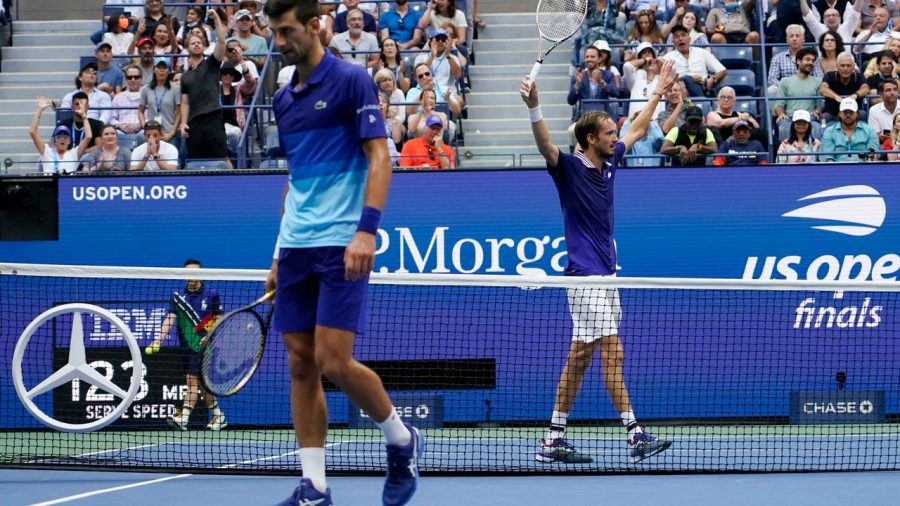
77	367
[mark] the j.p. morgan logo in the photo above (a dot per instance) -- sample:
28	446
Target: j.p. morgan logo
851	210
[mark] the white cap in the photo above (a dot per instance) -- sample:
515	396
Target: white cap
642	46
801	115
602	45
848	104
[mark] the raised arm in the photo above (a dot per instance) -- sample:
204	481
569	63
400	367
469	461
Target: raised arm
88	135
639	126
219	52
541	135
42	103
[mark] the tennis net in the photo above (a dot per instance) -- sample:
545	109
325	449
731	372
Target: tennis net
740	375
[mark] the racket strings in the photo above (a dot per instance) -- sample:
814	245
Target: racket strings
559	19
233	351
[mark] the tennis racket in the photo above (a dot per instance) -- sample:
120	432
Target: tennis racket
557	21
230	353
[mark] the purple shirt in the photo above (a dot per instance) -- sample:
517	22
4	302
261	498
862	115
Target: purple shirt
586	199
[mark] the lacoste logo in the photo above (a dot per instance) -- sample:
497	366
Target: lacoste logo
321	104
855	210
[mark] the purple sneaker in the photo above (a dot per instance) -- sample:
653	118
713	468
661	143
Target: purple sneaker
644	446
560	450
307	495
403	469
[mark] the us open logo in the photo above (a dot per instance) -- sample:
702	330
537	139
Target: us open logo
856	210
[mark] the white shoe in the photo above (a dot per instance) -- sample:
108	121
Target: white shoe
218	423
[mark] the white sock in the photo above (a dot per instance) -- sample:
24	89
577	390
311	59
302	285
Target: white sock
394	431
216	411
312	460
558	423
186	412
630	423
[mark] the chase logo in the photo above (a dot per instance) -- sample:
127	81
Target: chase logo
855	210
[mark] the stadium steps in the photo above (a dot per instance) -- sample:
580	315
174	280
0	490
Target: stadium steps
497	130
43	61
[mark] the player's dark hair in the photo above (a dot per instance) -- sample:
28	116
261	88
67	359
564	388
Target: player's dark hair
304	10
589	124
803	51
192	261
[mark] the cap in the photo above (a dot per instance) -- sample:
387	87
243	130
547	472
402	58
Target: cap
90	65
801	115
643	46
679	28
693	112
102	44
433	120
439	32
162	60
145	40
243	13
848	104
62	130
741	124
227	68
153	124
602	45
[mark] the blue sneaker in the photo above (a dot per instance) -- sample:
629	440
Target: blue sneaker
307	495
644	446
403	469
560	450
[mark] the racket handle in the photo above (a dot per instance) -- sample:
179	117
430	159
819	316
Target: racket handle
534	71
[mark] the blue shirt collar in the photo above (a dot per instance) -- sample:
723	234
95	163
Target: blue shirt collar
318	74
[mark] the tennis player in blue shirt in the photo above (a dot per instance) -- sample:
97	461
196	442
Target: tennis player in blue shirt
584	182
332	131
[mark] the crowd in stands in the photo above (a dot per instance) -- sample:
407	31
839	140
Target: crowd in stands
829	73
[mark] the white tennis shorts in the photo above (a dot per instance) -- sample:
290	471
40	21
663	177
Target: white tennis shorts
596	312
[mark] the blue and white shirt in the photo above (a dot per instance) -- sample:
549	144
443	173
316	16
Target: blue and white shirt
586	199
321	128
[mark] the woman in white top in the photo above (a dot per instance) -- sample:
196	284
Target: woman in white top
58	158
117	35
441	11
416	122
642	80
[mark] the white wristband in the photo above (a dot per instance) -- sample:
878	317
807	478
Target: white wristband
535	114
277	248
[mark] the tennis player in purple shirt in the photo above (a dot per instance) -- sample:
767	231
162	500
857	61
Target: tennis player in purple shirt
585	182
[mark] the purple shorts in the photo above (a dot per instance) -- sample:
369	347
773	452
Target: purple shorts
312	291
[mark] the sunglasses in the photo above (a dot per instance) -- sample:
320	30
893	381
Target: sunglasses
423	74
133	78
431	153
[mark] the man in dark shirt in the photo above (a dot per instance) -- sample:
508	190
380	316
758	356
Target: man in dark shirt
845	82
202	125
75	124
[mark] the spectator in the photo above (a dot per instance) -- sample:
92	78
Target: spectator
603	22
59	158
125	118
849	136
439	12
110	157
202	125
644	152
155	153
784	63
591	83
86	83
823	5
355	39
892	45
732	24
164	41
699	70
326	24
369	25
428	151
393	127
743	149
843	83
193	19
642	81
390	60
832	20
425	81
260	20
801	84
722	119
182	62
145	48
689	21
881	115
234	53
401	24
418	120
677	103
232	103
387	87
787	13
870	41
635	7
109	77
154	15
161	103
606	61
887	69
645	29
830	46
252	43
689	144
893	142
670	10
444	65
131	10
76	124
867	14
117	35
799	146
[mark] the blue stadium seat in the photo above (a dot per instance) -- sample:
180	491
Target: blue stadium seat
206	165
742	80
749	106
734	57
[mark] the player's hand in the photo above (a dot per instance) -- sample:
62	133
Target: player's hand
359	257
529	93
667	77
272	276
